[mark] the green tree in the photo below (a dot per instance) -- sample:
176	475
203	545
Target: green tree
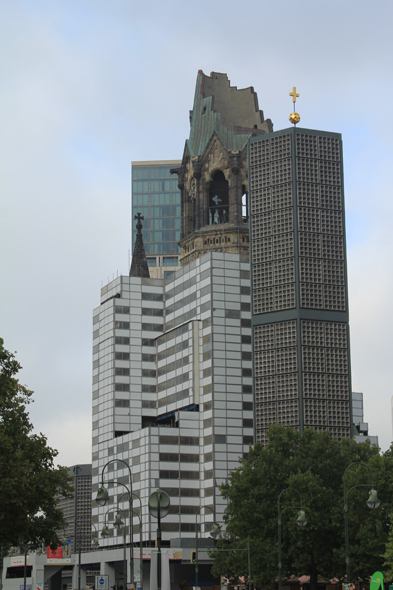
314	465
29	482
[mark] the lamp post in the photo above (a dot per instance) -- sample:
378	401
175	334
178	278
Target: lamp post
372	502
106	533
102	498
134	513
95	543
213	533
300	521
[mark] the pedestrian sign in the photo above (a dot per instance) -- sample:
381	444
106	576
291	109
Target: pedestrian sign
102	582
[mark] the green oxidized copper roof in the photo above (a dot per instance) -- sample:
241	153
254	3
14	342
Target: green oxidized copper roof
205	121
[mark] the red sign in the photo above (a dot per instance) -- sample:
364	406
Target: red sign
54	553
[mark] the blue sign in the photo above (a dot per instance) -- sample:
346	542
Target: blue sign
101	581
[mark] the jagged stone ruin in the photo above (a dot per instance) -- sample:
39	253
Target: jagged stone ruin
213	175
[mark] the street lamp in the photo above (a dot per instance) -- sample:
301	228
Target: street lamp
213	533
300	521
103	496
372	502
79	537
134	513
119	524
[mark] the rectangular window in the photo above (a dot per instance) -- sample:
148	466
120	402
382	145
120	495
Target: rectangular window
248	422
121	340
171	457
208	474
122	371
122	356
148	388
189	440
122	325
245	323
168	440
122	309
167	474
247	388
220	439
148	342
148	403
189	474
122	403
152	311
122	387
247	372
248	440
148	373
244	290
152	296
152	327
248	406
246	356
246	339
232	314
189	493
148	358
189	458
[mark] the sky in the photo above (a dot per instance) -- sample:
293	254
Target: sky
88	86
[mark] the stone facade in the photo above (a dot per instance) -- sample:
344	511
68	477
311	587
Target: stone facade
213	173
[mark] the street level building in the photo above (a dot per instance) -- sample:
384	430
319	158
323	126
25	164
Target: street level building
301	359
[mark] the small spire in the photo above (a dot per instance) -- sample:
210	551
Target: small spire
139	266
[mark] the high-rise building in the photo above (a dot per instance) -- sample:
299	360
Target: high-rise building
156	197
77	509
360	426
299	282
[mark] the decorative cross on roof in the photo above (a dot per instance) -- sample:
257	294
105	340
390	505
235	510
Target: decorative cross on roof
139	226
293	94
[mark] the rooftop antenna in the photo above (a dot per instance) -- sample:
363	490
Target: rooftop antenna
294	117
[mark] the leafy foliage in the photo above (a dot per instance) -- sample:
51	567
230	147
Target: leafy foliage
29	482
314	465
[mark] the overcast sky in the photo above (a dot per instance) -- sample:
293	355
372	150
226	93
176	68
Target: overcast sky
87	86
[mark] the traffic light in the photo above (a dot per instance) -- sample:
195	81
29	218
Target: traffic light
193	556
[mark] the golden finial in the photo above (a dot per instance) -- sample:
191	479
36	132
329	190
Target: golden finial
294	117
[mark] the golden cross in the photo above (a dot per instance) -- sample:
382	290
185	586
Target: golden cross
293	94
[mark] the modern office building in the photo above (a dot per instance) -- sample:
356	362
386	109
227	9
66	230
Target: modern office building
172	391
299	282
156	197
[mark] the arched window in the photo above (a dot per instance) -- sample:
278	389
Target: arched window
244	204
218	199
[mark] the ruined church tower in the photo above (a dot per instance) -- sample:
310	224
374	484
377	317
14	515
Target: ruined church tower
212	177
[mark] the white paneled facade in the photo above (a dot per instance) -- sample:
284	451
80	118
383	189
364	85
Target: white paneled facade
172	390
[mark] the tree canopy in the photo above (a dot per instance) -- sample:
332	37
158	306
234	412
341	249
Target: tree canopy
313	464
29	482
